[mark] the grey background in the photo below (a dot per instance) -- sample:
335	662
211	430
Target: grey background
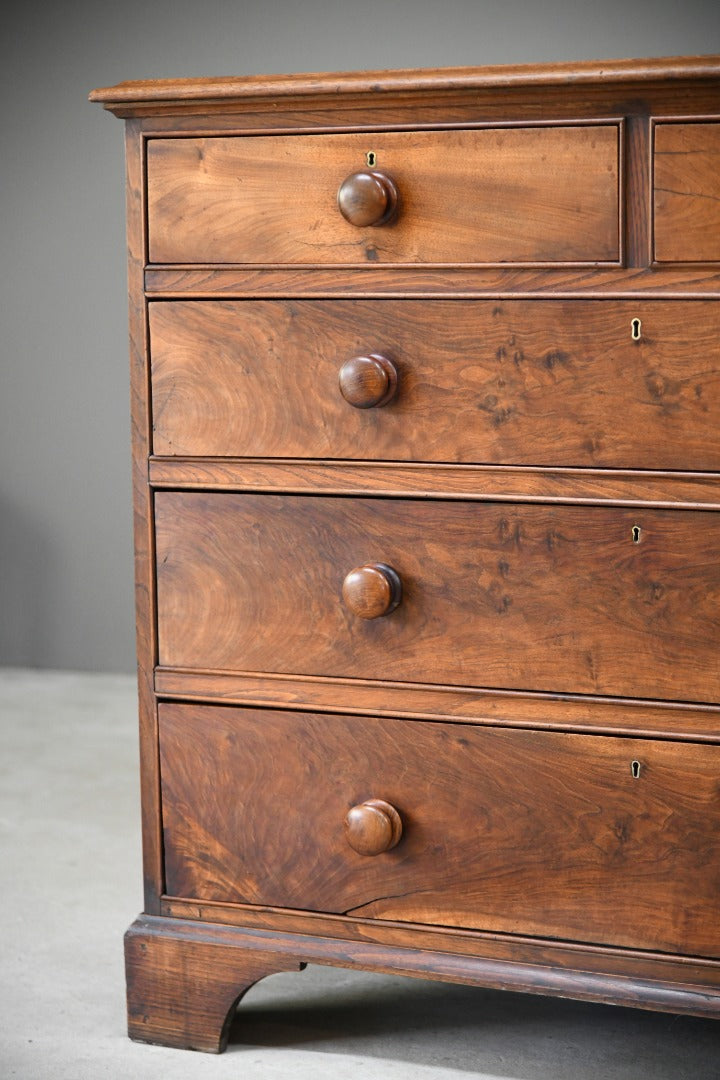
65	525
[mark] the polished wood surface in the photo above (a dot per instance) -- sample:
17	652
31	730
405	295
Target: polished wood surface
482	483
372	591
529	597
143	521
480	195
182	992
416	82
647	981
581	713
372	827
513	381
687	192
669	281
368	382
507	393
647	965
517	832
368	198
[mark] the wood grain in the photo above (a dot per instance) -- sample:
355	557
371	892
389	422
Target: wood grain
690	491
182	991
405	110
527	597
669	282
143	523
415	81
507	382
373	827
538	650
367	198
368	382
563	955
687	192
372	591
636	176
669	984
527	194
467	705
509	831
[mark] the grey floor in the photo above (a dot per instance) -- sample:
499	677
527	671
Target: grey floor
70	885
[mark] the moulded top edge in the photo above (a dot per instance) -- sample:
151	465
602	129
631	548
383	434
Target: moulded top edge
187	91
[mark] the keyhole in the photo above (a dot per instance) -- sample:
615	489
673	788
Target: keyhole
635	329
635	769
636	533
371	158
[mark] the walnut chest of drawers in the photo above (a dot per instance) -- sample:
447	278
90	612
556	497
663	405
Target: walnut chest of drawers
426	403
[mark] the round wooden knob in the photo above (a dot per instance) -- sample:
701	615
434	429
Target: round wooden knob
372	827
372	590
367	198
368	382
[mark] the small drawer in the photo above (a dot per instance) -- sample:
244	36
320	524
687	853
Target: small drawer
584	599
630	384
509	831
687	192
533	194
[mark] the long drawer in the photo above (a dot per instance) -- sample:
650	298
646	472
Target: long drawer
568	383
586	599
594	839
508	194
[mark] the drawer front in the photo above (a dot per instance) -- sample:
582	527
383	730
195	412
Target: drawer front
557	598
512	831
536	194
519	382
687	192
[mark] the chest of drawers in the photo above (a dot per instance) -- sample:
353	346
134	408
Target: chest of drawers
426	403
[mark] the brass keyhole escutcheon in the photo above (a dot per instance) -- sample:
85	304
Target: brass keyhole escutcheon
636	329
635	769
636	534
371	159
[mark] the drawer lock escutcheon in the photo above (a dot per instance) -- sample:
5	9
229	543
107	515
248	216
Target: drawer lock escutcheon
636	329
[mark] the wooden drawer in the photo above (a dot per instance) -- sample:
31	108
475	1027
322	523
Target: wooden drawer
557	598
521	832
533	194
512	381
687	192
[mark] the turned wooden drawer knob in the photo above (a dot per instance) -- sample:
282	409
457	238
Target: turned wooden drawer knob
367	198
372	590
368	382
372	827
